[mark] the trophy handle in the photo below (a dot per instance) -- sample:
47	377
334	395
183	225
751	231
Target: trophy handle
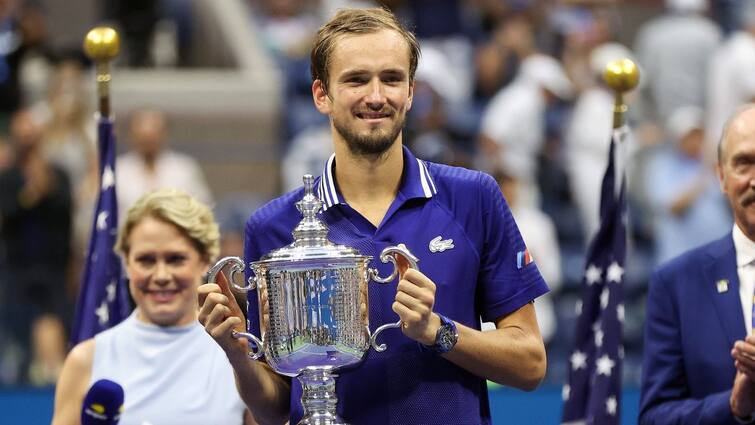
259	346
237	266
389	254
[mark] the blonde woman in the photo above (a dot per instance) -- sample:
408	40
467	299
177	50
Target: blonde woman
171	370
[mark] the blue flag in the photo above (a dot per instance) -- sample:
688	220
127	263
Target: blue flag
103	295
593	393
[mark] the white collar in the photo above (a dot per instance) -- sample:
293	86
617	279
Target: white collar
744	247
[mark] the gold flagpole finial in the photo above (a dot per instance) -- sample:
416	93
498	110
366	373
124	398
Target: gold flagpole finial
102	45
621	76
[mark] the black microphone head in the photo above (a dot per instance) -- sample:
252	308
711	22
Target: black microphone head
102	404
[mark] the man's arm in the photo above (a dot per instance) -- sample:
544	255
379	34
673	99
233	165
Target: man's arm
512	355
266	393
665	396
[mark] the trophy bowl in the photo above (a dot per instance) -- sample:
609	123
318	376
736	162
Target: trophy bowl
313	308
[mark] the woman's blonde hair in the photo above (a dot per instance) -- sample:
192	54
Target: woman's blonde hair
192	218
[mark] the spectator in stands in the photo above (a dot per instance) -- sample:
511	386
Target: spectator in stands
151	165
731	82
35	211
687	204
513	124
673	50
69	142
23	37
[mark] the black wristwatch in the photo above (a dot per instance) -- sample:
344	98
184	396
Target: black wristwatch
446	337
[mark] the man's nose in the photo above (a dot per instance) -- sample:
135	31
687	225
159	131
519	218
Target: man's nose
375	97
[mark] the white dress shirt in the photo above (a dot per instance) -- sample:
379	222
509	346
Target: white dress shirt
745	249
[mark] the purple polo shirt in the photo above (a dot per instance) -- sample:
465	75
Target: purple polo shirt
481	276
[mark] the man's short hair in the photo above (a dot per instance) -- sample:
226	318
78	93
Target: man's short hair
357	21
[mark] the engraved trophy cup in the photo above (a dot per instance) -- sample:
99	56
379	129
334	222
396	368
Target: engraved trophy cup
313	302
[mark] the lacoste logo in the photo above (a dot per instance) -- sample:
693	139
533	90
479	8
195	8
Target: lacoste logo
440	245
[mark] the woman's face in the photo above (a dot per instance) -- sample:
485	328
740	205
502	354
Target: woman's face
164	270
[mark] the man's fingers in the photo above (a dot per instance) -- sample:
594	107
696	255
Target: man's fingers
223	330
225	289
205	290
407	315
413	304
745	358
745	369
424	293
211	301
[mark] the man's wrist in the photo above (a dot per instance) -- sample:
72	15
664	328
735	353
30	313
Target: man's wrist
431	332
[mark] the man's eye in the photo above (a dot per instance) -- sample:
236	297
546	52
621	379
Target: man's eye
356	80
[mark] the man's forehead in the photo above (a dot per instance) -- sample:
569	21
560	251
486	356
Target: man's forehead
357	50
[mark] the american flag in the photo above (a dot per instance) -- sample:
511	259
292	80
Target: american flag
593	393
103	297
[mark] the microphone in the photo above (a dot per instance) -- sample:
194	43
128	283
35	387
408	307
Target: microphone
103	403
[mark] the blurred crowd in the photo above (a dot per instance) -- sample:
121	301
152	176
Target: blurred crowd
512	87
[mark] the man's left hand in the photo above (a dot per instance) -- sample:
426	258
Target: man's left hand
415	297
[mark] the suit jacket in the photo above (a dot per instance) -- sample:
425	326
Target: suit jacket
690	329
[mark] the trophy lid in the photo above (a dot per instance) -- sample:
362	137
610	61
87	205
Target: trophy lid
310	235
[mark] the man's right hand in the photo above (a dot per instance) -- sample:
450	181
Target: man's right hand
220	314
742	399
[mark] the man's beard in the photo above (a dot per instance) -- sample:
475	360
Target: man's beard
374	144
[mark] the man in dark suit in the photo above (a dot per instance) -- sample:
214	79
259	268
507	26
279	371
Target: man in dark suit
699	362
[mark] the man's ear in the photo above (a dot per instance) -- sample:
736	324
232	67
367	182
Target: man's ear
320	97
411	96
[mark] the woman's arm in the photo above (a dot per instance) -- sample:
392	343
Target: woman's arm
72	384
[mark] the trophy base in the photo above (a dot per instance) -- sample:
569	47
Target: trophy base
319	396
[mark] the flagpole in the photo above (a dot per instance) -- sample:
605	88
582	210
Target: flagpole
103	299
621	76
102	45
593	391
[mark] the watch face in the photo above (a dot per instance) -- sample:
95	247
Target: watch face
446	338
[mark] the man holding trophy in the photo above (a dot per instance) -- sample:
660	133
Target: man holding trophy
374	194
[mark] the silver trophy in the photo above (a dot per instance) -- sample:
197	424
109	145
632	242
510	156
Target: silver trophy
313	302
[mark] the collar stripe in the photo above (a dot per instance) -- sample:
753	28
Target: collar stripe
326	198
423	180
331	183
429	178
321	195
419	178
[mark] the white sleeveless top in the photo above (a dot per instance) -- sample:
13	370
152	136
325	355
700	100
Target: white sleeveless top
170	375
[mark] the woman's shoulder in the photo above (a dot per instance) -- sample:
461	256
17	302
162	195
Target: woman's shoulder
81	357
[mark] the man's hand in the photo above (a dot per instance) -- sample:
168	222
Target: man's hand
744	356
415	298
742	399
220	314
